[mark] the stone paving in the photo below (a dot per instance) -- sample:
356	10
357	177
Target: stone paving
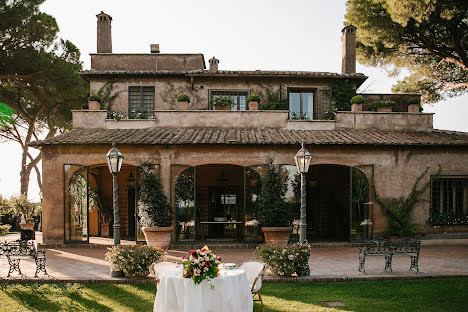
333	262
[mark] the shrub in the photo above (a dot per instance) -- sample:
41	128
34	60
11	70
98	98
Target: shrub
253	98
414	101
22	206
222	100
272	209
447	218
285	261
4	228
382	103
154	209
134	260
95	97
358	99
183	98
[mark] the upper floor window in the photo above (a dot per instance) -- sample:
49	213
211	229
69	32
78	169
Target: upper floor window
239	98
449	194
301	104
140	100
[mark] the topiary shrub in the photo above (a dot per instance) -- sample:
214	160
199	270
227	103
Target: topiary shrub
183	98
95	97
153	206
358	99
272	210
253	98
134	260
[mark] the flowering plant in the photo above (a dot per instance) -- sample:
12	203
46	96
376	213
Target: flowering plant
133	260
201	264
285	261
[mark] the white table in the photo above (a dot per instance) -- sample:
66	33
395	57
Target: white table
231	293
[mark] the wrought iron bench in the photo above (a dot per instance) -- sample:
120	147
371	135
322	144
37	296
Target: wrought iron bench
389	249
14	251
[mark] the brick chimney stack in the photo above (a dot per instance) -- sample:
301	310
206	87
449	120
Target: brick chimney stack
104	35
348	43
213	64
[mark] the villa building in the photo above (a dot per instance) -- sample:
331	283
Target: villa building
209	161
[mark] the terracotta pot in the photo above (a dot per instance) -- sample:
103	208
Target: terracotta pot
356	107
27	226
222	107
277	235
253	105
384	109
158	236
413	108
94	105
183	105
105	229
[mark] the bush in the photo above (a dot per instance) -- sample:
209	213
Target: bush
154	209
134	260
22	206
285	261
382	103
447	218
222	100
358	99
253	98
183	98
414	101
272	209
4	228
95	97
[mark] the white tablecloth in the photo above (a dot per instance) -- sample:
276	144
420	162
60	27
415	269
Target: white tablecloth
231	293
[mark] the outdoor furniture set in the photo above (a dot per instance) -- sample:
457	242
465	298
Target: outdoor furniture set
389	249
16	250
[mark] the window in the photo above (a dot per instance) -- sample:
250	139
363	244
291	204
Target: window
449	194
238	97
301	104
141	100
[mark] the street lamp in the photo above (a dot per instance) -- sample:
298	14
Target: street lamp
302	159
114	161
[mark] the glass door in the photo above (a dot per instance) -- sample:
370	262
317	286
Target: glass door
140	236
361	202
76	204
183	201
252	189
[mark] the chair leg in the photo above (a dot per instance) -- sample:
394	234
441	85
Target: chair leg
261	301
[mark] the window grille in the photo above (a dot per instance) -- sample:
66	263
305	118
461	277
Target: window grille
140	100
449	194
238	97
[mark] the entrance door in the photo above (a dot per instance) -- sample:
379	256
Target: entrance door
361	202
76	202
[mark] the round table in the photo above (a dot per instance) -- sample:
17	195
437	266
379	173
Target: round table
231	293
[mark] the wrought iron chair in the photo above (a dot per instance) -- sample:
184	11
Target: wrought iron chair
156	269
255	271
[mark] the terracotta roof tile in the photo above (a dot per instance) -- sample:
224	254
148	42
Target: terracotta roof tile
263	136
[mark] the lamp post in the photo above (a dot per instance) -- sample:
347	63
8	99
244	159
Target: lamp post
302	159
114	161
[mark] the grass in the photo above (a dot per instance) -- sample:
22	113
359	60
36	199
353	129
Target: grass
419	295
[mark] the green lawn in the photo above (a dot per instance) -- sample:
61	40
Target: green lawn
422	295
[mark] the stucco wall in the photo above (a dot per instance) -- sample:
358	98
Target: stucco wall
155	61
396	169
374	120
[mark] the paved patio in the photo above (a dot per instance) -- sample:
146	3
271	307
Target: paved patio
333	263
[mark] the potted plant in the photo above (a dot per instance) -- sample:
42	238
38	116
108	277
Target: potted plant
356	103
383	106
154	210
134	260
183	100
94	102
222	103
414	105
253	101
28	210
273	212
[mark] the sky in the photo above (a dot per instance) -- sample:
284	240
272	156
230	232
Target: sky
242	34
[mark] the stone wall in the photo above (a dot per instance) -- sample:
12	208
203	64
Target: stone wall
147	62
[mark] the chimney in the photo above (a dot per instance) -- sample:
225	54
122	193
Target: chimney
154	48
348	43
104	36
213	64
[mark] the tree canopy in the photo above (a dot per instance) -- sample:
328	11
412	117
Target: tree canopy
429	38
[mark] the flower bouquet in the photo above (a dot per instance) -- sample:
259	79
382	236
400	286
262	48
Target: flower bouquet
201	264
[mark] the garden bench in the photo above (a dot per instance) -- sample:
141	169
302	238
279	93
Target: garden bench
389	249
14	251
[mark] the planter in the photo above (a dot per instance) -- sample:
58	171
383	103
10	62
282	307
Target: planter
222	107
356	107
384	109
277	235
94	105
158	236
27	226
413	108
183	105
105	229
253	105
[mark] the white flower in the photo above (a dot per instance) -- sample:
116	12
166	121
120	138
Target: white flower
291	257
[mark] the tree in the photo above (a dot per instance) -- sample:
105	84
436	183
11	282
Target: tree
429	38
40	83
